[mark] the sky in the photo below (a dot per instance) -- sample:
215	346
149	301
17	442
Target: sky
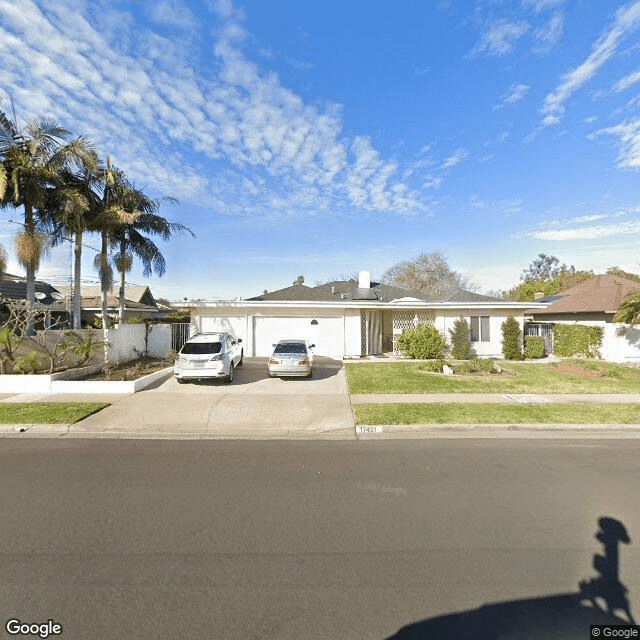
325	138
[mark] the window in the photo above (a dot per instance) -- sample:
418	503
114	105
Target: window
201	348
480	329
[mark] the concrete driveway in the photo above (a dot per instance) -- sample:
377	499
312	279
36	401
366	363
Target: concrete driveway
254	405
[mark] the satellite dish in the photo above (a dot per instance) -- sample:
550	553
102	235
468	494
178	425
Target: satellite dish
40	295
57	296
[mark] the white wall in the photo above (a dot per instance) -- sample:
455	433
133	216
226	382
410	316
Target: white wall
490	349
125	339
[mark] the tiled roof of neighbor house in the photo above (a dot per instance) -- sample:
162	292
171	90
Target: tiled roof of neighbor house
15	288
349	290
135	293
601	294
113	302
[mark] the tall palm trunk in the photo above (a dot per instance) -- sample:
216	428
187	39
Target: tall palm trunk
77	282
122	269
29	262
105	283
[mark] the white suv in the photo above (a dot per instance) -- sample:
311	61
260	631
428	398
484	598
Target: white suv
209	355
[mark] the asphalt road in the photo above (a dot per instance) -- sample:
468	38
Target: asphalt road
294	539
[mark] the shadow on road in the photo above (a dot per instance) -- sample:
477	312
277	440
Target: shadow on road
562	616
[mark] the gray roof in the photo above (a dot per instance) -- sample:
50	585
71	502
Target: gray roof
15	288
349	290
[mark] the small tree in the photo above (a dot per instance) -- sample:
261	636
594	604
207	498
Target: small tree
424	342
511	348
460	342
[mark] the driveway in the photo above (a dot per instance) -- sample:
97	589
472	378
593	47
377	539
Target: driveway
254	405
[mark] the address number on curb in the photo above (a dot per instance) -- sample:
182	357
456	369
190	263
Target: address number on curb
370	429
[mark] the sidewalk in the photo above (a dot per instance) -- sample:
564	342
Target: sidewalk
234	413
518	398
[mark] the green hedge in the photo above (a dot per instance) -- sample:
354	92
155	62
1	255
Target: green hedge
576	340
533	347
424	342
511	339
460	341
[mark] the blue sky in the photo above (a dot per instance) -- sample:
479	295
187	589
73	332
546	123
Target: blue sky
323	138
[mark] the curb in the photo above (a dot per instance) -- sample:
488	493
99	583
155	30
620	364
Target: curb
492	431
49	429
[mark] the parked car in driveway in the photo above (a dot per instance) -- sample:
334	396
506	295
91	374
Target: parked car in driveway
209	355
291	358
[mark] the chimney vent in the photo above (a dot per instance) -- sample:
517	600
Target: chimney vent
364	280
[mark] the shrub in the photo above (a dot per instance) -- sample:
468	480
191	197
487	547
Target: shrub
424	342
433	366
478	365
28	363
460	342
533	347
576	340
511	339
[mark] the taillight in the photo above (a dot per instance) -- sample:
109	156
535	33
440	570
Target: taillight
273	361
304	361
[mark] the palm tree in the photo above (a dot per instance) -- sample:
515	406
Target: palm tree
33	159
75	209
131	241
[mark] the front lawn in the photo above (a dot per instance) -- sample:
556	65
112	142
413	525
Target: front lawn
47	412
570	376
485	413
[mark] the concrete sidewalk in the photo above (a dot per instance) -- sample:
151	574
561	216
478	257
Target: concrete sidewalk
513	398
261	408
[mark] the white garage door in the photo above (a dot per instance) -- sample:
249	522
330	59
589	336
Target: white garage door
236	324
326	333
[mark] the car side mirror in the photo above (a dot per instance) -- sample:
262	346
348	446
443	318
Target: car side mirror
311	346
239	340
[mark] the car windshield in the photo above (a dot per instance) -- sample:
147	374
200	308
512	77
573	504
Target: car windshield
201	348
290	347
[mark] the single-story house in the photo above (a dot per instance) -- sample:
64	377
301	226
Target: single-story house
592	303
48	298
350	319
138	301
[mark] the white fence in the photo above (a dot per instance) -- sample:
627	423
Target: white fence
126	340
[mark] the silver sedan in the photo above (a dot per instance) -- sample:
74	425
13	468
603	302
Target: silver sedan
291	358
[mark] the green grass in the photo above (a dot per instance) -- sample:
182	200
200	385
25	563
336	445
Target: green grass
405	377
484	413
48	412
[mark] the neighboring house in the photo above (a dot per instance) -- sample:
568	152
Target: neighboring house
593	302
349	319
138	302
48	298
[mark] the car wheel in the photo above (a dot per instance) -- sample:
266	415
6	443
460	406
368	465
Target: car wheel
181	380
229	377
241	356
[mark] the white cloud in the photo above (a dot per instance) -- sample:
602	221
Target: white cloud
500	38
455	158
626	21
172	13
549	34
626	82
541	5
514	94
587	233
628	134
192	134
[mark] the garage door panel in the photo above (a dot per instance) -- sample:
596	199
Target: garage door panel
236	324
325	333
